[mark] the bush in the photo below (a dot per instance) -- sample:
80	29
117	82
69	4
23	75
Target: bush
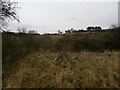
14	47
96	41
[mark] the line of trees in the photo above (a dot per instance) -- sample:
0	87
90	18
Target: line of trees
23	30
89	29
8	12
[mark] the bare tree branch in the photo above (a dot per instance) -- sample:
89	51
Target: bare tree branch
8	12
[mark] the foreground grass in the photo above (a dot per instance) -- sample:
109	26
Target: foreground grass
65	70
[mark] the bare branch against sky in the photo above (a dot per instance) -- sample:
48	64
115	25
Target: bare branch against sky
118	13
53	16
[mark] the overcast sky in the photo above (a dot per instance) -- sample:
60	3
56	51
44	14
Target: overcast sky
50	17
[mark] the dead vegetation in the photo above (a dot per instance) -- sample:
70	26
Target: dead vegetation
65	70
66	61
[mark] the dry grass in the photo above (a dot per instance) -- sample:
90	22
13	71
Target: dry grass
66	70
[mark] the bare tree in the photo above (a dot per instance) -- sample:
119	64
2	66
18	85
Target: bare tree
114	26
22	30
60	32
32	32
98	28
90	28
8	12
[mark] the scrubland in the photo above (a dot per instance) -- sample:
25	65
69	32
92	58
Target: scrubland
71	61
65	70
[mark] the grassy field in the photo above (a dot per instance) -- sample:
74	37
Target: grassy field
67	61
65	70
